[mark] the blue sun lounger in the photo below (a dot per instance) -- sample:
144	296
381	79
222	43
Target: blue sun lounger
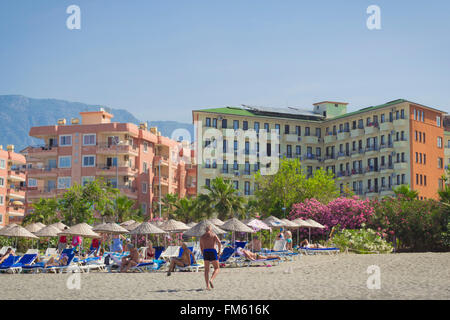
312	251
9	262
25	260
192	267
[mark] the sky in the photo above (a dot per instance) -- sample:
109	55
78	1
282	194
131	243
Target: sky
162	59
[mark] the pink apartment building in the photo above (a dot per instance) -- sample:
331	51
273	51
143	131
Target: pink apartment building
12	186
125	155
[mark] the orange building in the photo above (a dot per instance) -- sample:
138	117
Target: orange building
125	155
12	186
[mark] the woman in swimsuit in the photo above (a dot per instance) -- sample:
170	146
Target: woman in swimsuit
184	261
149	253
256	256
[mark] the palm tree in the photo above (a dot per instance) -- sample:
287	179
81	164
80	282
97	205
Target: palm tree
124	209
223	198
185	210
406	192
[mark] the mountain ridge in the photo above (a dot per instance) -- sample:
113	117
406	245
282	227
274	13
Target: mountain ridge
18	113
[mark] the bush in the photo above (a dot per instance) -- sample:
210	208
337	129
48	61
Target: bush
361	241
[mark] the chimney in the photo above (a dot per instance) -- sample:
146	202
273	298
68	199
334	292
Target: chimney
154	130
143	126
61	122
10	147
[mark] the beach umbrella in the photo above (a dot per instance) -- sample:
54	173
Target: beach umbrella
81	229
235	225
191	224
173	226
127	223
34	227
41	224
216	221
289	224
147	228
273	222
300	224
59	225
17	232
132	226
313	224
257	224
12	225
48	232
200	228
110	228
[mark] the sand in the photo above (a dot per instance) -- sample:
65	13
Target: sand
344	276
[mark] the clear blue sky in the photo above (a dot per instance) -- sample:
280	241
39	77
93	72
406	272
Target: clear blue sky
161	59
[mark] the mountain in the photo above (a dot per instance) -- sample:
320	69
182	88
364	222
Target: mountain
18	114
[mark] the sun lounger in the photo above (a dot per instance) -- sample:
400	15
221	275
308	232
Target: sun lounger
192	267
5	248
170	252
312	251
9	262
32	251
25	260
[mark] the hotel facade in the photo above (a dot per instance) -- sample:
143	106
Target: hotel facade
12	186
370	151
138	161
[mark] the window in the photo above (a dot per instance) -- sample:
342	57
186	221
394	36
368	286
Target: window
382	118
417	134
247	188
32	182
145	167
424	180
86	180
439	142
438	121
65	140
266	127
235	165
224	123
144	187
245	125
214	122
424	158
298	150
235	124
440	163
2	202
65	162
402	114
208	122
307	131
289	151
208	182
417	157
88	161
2	182
298	130
415	114
423	136
236	185
2	164
64	182
286	129
145	146
89	139
256	126
277	128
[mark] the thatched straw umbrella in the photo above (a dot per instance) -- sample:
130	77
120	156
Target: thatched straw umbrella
275	223
173	226
34	227
110	228
256	224
132	226
200	228
235	225
127	223
216	221
300	224
59	225
17	232
81	229
313	224
147	228
191	224
48	232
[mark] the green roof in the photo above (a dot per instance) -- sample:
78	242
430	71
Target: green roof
369	109
229	110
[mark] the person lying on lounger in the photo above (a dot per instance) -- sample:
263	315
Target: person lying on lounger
255	256
9	252
306	244
149	253
60	263
184	261
132	260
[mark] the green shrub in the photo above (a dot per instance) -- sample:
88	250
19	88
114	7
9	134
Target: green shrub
361	241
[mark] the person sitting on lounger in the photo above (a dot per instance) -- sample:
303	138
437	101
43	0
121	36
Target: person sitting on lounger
132	260
306	244
9	252
149	253
255	256
288	237
60	263
184	261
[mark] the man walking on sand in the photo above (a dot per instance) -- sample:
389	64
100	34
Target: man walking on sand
208	243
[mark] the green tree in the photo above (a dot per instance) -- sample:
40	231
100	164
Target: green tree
223	199
185	210
404	191
291	185
125	209
44	211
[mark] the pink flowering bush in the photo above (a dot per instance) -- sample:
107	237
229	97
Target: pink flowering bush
345	213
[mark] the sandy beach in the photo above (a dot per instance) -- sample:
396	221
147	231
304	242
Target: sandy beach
403	276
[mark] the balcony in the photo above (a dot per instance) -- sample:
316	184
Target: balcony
401	144
310	157
164	180
17	175
371	171
387	168
343	154
386	191
371	150
371	192
16	193
372	128
164	161
356	172
292	138
344	174
122	170
400	123
15	211
342	135
401	166
387	126
330	157
130	192
310	139
112	149
386	147
43	172
358	132
357	153
43	151
46	192
330	138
